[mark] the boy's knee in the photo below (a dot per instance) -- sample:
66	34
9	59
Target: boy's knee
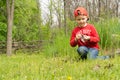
93	54
82	50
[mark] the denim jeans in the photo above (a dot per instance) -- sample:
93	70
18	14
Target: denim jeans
85	52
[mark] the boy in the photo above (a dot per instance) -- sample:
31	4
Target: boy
84	35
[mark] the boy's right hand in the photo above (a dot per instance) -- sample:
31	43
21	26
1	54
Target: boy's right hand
78	36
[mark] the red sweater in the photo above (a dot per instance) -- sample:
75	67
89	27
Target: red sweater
88	30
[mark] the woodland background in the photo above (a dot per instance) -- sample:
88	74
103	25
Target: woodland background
34	44
33	33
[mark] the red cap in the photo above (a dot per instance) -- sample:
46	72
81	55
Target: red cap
80	11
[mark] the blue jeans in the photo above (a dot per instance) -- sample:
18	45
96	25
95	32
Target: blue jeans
84	51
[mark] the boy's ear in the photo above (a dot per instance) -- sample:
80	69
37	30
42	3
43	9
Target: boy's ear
87	19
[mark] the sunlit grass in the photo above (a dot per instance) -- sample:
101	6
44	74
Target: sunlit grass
38	67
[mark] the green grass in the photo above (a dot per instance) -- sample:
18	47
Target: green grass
38	67
106	29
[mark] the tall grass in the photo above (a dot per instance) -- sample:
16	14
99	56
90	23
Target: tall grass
59	45
107	29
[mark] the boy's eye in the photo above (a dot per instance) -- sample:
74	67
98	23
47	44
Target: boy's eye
78	19
81	19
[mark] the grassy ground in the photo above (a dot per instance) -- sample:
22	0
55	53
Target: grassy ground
64	66
38	67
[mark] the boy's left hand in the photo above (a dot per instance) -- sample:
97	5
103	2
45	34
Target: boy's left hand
86	38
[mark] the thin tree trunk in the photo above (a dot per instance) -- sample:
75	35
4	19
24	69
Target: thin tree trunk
94	10
59	20
39	21
10	13
51	17
99	8
65	17
89	9
118	9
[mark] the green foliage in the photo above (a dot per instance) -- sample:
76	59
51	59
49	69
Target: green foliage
3	32
45	32
26	21
2	8
3	20
59	45
70	25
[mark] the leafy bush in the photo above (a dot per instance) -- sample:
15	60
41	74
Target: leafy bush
3	31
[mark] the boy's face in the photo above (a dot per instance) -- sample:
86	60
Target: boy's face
81	20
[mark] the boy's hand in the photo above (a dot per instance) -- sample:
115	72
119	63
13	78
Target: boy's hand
78	36
86	38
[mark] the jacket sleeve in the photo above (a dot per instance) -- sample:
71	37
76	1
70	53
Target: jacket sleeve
94	38
73	43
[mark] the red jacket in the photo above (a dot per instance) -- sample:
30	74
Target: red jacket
88	30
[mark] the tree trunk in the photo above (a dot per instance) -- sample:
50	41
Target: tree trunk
65	17
117	2
10	13
99	13
118	9
51	17
39	20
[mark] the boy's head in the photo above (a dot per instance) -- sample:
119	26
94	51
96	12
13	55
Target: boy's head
80	11
81	16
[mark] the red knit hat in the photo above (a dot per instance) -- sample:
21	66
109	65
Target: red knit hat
80	11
